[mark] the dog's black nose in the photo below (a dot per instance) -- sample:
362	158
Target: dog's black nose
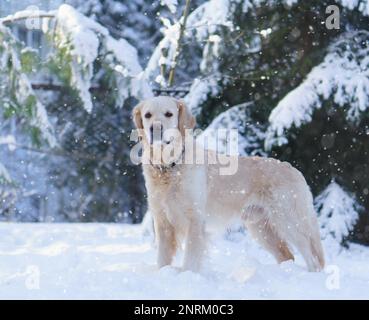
156	132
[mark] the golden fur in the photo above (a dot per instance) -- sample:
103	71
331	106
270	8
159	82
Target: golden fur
271	197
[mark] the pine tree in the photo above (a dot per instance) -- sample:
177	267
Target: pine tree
269	68
86	123
308	85
338	212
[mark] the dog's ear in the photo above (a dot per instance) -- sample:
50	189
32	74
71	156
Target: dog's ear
136	116
185	119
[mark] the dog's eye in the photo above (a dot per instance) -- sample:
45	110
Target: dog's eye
148	115
168	114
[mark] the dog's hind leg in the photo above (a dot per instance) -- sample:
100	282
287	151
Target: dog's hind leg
310	250
261	230
302	232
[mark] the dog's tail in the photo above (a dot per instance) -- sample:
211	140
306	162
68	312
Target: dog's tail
306	236
312	248
308	241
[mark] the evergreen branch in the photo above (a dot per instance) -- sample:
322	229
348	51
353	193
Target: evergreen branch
12	18
178	49
57	153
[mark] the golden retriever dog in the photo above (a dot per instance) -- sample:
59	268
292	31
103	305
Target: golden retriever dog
270	197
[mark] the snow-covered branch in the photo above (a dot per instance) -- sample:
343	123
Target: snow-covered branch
81	45
362	6
27	14
202	22
171	4
250	134
84	41
343	76
16	89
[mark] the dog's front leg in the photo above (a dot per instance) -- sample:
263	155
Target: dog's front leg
195	245
166	240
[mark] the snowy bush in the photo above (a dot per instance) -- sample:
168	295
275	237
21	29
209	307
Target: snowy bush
338	212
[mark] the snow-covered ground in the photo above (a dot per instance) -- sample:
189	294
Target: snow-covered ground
113	261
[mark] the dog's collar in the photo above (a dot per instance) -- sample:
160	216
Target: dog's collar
163	168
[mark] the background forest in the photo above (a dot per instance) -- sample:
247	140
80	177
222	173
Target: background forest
71	72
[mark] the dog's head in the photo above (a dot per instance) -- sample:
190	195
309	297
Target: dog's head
159	117
162	123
